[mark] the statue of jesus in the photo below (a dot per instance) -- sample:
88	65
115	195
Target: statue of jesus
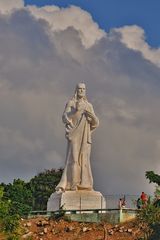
80	120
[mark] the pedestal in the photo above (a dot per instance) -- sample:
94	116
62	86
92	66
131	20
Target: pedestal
76	200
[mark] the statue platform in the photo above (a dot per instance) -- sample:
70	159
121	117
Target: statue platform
76	200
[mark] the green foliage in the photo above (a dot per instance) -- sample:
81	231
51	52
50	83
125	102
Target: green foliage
157	191
9	223
21	196
13	237
1	192
153	177
32	195
42	186
149	216
4	207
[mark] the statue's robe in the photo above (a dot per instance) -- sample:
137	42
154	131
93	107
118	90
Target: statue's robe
77	173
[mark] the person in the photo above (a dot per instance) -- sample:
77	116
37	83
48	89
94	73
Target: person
120	203
139	203
124	202
80	121
144	199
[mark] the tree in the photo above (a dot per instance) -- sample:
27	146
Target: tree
9	222
42	186
34	194
20	195
150	215
153	177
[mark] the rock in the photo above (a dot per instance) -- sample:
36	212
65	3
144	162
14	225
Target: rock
110	232
41	233
26	230
45	222
71	228
67	229
84	229
27	235
42	223
55	231
39	224
45	230
129	230
28	224
122	227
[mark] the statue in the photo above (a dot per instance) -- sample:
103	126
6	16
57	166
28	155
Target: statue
80	120
75	189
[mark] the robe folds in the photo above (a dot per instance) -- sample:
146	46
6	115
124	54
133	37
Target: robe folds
79	124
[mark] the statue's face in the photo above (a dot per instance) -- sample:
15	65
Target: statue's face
81	90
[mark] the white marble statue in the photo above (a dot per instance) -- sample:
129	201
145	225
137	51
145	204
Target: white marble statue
80	120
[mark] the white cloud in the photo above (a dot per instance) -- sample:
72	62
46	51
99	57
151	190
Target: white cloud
7	6
61	19
134	37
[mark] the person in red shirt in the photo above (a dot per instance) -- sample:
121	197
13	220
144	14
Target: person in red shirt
144	199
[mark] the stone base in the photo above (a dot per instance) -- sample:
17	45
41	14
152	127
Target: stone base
76	200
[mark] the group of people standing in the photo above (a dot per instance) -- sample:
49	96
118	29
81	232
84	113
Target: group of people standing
142	201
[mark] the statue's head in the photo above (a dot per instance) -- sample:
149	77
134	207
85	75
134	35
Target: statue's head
80	90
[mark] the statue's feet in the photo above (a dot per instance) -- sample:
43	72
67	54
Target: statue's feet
84	187
74	188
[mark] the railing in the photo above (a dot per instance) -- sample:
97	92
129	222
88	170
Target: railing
112	204
100	212
112	201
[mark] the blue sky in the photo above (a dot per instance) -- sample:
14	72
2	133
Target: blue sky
116	13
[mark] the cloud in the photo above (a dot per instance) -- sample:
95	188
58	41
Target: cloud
7	6
61	19
41	61
134	38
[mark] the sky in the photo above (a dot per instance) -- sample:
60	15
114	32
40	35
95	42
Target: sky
45	50
115	13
